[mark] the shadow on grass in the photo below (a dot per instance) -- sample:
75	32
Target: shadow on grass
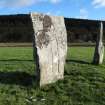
17	78
15	60
77	61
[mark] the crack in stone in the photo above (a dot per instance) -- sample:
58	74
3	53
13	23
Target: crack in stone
52	57
58	54
57	50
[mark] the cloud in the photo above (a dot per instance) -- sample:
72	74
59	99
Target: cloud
48	13
83	14
16	3
98	3
24	3
54	13
55	1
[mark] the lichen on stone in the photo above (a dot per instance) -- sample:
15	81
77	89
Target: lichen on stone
42	36
42	39
47	22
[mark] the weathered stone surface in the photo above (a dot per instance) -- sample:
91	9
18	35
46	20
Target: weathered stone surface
51	47
99	50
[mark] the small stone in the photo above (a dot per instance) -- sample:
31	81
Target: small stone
43	99
34	100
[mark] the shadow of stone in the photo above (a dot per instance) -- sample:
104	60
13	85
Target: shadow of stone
17	78
77	61
15	60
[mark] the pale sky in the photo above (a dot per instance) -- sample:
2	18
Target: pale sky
88	9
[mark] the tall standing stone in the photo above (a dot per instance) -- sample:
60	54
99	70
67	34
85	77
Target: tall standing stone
99	50
51	47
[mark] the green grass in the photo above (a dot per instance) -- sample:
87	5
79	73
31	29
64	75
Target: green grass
83	84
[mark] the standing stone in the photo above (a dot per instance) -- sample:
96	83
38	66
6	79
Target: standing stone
99	50
51	47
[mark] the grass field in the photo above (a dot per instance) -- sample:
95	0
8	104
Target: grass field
83	84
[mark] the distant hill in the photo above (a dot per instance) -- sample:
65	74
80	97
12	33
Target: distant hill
82	30
15	28
18	28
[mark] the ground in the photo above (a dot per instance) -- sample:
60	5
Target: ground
83	84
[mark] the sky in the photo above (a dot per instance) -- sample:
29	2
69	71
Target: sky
85	9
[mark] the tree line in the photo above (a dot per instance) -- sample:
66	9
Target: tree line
18	28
